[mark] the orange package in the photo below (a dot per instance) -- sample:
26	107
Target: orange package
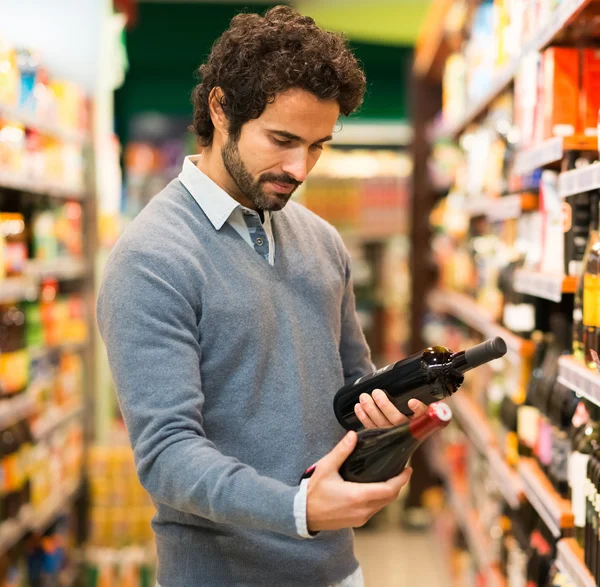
561	92
590	91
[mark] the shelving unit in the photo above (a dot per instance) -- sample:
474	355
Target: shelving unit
31	122
36	520
56	419
576	376
581	180
15	409
563	16
551	507
551	151
475	425
567	26
503	208
570	562
33	186
466	517
543	285
15	289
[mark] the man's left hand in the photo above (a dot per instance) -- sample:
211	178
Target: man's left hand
377	411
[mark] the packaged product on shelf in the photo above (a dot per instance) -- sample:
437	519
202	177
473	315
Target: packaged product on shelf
590	91
14	359
12	226
9	77
560	96
12	147
28	64
591	295
551	208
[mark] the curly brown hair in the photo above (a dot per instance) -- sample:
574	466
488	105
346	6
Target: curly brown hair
259	57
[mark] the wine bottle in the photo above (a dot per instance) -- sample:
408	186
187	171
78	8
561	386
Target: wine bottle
591	312
580	294
383	453
585	441
429	376
528	414
562	410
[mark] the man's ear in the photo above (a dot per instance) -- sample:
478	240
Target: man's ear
217	114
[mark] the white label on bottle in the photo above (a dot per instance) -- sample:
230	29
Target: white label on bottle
577	480
519	318
528	424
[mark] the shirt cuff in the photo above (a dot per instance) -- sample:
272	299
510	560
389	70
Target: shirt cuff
300	510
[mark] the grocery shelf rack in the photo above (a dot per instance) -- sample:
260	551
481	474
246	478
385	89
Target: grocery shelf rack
27	288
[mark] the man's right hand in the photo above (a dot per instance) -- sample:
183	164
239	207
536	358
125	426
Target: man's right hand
333	503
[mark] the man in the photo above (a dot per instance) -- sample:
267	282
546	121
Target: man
228	315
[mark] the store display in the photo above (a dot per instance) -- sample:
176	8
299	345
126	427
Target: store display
432	375
519	271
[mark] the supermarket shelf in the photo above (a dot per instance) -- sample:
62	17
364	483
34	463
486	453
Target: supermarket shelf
579	180
62	269
35	520
564	15
570	562
14	289
576	376
36	353
551	151
503	208
15	409
465	309
33	186
551	507
468	521
475	425
56	419
544	285
31	122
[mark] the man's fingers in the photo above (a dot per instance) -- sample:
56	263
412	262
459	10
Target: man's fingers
388	409
419	408
363	417
370	407
398	482
340	452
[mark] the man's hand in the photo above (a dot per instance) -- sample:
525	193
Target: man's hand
377	411
333	503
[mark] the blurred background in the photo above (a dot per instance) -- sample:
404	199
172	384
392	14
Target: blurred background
467	192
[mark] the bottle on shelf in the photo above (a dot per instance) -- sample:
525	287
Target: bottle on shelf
561	412
591	311
585	436
528	412
581	294
429	376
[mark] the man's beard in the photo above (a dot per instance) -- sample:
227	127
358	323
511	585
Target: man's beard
254	189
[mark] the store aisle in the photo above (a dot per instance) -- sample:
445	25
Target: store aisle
393	557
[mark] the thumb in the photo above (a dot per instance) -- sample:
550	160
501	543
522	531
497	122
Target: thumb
341	451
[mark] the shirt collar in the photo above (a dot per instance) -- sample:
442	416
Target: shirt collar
216	203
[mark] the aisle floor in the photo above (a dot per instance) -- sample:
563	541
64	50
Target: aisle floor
392	557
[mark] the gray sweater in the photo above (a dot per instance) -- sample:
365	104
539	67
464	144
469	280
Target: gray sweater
225	368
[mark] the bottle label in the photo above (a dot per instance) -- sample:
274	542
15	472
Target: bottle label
577	471
528	425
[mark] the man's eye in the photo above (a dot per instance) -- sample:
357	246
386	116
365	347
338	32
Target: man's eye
317	147
280	143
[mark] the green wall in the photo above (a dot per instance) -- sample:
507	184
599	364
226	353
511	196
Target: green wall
171	40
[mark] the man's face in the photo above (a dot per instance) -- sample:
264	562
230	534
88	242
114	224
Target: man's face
276	151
